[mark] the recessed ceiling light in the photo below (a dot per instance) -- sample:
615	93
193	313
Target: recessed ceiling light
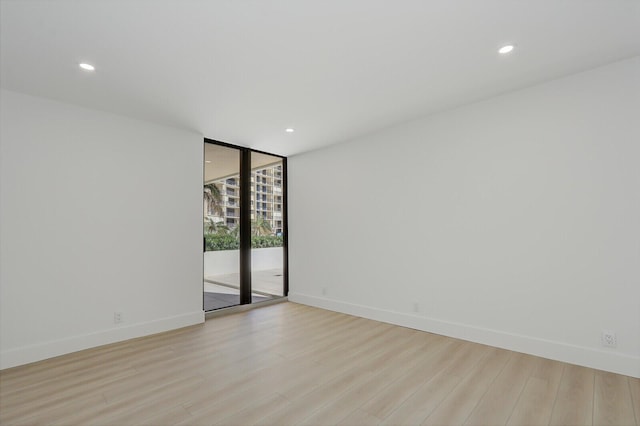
505	49
87	67
289	130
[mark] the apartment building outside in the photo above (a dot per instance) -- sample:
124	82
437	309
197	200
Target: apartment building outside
266	197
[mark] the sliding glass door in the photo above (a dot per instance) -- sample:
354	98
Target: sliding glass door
245	257
267	226
221	226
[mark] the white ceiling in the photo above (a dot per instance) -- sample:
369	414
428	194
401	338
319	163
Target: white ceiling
241	71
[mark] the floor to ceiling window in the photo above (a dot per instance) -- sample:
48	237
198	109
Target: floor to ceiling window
245	225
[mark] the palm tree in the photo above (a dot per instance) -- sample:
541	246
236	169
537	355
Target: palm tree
215	227
213	199
260	226
235	231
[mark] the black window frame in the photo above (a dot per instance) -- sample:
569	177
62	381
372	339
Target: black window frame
245	219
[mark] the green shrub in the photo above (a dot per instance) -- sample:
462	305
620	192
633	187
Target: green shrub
264	241
216	242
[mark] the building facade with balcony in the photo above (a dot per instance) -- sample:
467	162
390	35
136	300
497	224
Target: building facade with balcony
266	198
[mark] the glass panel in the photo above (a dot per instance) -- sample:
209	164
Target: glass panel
266	227
221	220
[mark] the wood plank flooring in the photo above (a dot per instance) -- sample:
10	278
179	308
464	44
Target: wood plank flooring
289	364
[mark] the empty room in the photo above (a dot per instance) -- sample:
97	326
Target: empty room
292	212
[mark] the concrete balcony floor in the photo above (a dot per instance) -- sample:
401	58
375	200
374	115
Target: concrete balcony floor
222	291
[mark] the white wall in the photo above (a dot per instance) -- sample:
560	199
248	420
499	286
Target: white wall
222	262
516	221
99	213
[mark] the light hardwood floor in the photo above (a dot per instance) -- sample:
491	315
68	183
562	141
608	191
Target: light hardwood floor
289	364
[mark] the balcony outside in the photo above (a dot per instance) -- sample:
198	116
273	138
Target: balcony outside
221	227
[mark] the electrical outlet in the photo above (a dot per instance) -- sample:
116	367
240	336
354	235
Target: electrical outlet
416	307
117	317
609	339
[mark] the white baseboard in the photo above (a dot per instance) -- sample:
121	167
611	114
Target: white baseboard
560	351
32	353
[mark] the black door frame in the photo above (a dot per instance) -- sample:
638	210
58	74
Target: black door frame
245	219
